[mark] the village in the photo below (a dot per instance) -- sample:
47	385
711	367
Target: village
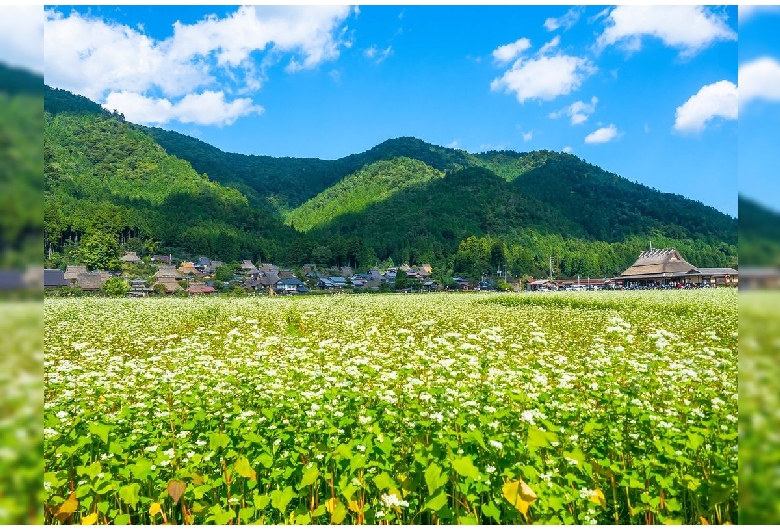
161	275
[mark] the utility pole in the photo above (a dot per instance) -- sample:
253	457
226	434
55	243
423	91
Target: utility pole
551	268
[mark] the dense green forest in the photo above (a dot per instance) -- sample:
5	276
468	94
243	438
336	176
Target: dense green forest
405	200
759	234
21	183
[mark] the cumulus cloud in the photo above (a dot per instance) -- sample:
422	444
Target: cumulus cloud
690	29
21	37
602	135
579	111
567	149
508	52
718	100
544	77
208	108
566	21
97	58
759	79
527	137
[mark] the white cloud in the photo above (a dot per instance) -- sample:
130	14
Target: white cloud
21	37
378	55
566	21
567	149
690	29
95	58
527	137
550	45
718	100
453	144
602	135
544	78
759	79
491	147
508	52
208	108
579	111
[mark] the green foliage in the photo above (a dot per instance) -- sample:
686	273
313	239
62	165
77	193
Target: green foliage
404	200
353	194
115	286
21	186
759	234
100	251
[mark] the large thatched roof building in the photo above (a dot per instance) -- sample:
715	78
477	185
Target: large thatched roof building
666	266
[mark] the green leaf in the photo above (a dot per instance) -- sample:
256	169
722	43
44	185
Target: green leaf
436	503
122	520
694	440
261	501
537	438
83	490
281	498
304	518
339	514
243	468
100	430
384	482
129	494
246	513
465	467
218	440
309	476
491	510
434	478
266	460
357	462
141	469
115	448
319	511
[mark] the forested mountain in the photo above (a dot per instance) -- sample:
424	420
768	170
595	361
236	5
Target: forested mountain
759	234
404	199
21	184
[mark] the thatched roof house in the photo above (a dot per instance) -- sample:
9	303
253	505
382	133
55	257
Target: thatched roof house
166	271
131	257
658	262
93	281
666	266
72	271
188	268
170	284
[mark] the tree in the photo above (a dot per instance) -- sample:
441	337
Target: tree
224	273
401	281
100	251
115	286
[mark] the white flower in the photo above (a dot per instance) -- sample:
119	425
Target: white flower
490	469
360	448
151	449
495	443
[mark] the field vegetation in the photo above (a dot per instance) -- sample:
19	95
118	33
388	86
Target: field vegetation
443	408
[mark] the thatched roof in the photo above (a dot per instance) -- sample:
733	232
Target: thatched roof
269	279
170	284
93	281
248	265
72	271
659	261
167	271
131	257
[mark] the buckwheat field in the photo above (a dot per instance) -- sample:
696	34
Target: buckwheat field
568	408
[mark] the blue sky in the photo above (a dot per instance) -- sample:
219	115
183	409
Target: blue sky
759	113
647	93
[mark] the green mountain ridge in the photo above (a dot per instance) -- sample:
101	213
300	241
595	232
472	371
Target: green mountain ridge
759	234
403	199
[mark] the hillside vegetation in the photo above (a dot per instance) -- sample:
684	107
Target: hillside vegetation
404	200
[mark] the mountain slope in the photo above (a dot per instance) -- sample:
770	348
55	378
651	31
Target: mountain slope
404	199
373	183
103	175
759	234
